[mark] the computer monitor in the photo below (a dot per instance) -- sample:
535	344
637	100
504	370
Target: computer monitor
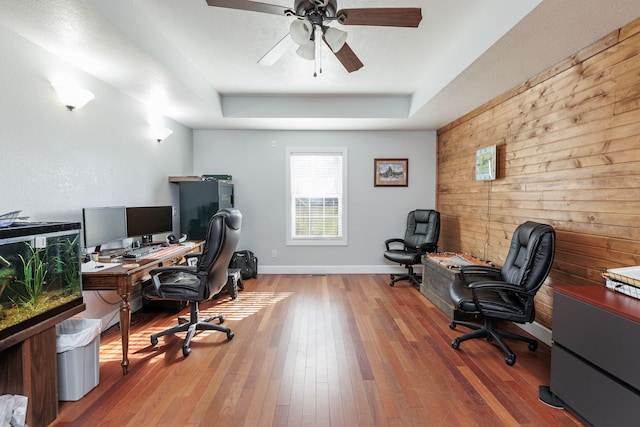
146	221
104	225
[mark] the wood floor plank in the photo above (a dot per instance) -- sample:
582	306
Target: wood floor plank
336	350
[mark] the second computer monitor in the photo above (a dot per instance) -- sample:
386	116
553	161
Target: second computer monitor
145	221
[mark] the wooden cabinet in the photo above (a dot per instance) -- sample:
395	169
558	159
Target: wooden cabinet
594	357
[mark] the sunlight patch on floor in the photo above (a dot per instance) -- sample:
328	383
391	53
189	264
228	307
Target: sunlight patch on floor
245	305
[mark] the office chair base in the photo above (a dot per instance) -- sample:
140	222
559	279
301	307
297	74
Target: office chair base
191	325
410	276
492	334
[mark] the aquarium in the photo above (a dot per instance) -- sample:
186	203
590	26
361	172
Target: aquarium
39	273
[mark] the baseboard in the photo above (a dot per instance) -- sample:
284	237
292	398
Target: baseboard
331	269
537	330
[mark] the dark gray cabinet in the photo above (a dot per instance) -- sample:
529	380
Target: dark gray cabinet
594	357
199	201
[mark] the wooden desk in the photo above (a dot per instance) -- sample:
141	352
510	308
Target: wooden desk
122	279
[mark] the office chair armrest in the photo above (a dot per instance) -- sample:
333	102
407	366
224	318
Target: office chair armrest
427	248
173	269
479	269
157	272
495	286
388	242
191	259
496	289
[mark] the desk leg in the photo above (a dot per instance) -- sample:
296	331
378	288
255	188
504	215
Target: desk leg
125	324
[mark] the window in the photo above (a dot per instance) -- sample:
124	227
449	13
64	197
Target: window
316	196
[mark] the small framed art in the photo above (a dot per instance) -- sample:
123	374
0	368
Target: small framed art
486	163
391	172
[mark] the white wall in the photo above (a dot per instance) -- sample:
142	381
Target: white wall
55	162
375	213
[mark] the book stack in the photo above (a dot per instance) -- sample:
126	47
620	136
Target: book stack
625	280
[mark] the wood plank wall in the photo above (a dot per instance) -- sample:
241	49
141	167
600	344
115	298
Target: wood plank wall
568	143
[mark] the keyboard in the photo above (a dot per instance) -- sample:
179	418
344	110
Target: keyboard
140	252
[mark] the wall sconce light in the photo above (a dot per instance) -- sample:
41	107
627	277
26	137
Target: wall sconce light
159	134
71	95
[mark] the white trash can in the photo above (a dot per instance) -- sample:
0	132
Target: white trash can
78	348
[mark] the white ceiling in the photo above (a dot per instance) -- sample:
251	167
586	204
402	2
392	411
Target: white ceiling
198	64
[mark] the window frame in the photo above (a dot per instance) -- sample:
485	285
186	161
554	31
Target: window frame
315	241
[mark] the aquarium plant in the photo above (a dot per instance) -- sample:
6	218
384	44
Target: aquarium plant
34	275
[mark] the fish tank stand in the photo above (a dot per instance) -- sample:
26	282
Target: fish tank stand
28	366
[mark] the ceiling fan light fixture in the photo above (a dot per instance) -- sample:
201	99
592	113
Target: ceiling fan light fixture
307	50
301	31
335	38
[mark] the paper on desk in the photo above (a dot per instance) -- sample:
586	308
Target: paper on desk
92	266
631	272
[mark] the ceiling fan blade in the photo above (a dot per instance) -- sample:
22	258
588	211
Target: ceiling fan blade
381	16
348	58
252	6
277	51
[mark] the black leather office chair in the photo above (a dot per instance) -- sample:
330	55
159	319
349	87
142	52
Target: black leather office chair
421	236
506	293
202	281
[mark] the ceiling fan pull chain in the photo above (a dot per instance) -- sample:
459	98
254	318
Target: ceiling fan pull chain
318	64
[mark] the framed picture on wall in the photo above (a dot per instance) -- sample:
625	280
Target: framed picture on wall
391	172
486	163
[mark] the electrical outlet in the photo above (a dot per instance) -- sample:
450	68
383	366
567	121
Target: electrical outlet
273	143
274	253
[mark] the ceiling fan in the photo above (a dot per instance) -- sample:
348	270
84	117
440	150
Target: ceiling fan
311	24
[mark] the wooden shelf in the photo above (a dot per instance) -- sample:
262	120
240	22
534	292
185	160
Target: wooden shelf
185	179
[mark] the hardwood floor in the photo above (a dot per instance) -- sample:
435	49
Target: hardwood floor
337	350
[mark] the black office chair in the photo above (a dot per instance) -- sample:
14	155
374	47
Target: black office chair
421	237
202	281
506	293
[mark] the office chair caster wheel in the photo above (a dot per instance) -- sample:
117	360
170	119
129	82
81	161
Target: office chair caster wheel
154	341
455	344
221	320
453	325
229	335
533	346
186	351
511	359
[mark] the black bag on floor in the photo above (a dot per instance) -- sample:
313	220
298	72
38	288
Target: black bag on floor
246	262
